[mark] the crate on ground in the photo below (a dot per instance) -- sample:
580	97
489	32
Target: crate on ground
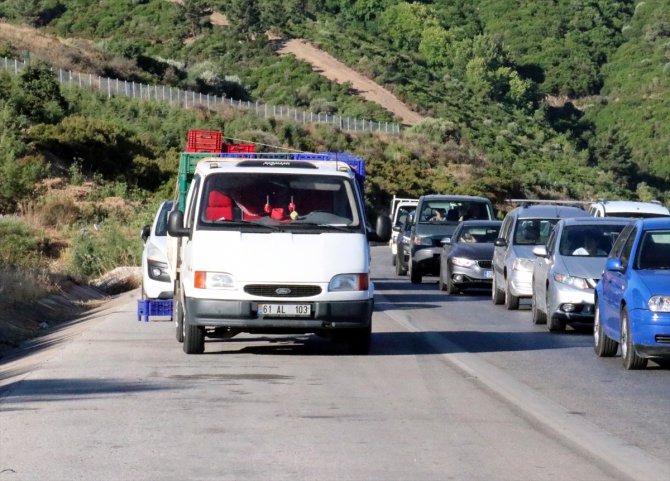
204	141
241	148
153	307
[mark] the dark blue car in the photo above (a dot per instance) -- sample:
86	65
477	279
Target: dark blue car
633	296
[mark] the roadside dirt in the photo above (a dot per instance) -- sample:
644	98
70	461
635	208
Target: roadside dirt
334	70
20	322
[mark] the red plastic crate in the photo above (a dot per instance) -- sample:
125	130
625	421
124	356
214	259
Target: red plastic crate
204	141
237	148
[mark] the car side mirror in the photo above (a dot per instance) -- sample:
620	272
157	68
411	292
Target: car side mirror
176	224
614	265
446	241
500	242
540	251
145	232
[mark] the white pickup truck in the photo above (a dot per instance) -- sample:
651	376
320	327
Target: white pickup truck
401	207
274	243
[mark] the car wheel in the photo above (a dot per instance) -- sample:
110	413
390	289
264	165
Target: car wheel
603	345
414	273
630	358
359	340
511	301
440	282
497	296
399	269
451	288
539	317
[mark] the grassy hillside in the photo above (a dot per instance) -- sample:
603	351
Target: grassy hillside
482	69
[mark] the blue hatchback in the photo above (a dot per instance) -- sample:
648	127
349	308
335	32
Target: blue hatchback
633	295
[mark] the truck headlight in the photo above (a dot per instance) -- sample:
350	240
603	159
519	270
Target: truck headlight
349	282
155	253
522	264
462	262
659	303
577	282
213	280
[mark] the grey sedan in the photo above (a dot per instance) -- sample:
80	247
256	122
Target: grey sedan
568	268
466	256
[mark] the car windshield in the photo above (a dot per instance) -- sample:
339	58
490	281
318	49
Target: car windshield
452	212
403	212
533	232
288	201
588	240
654	251
478	234
161	222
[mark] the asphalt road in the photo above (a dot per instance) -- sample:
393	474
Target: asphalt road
454	388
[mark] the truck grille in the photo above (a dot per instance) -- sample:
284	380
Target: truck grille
485	264
281	290
663	338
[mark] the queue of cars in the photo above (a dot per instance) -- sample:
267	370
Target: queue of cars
578	267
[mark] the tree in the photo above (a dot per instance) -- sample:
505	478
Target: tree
194	12
39	97
245	18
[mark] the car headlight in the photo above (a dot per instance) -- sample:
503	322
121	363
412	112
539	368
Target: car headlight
155	253
462	262
213	280
522	264
577	282
349	282
659	303
423	241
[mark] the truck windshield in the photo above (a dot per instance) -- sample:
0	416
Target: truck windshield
288	201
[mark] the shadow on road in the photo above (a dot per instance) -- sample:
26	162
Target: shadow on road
46	390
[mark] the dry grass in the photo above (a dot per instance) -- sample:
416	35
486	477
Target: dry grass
17	286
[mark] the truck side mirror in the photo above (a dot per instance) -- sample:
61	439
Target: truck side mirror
500	242
382	229
145	232
176	224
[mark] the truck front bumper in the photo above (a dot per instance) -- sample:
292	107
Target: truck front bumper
243	315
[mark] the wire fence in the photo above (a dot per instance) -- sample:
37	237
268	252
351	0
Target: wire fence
189	99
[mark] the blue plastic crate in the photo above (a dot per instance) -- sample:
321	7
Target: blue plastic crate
153	307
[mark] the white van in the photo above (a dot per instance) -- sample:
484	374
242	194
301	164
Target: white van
625	208
270	244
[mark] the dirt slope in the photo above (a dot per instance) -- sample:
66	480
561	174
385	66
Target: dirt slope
336	71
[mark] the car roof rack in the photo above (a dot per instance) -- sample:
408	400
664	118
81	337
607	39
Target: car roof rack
528	202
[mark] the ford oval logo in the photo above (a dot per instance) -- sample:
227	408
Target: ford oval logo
282	291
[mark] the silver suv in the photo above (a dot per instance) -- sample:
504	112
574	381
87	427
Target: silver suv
523	228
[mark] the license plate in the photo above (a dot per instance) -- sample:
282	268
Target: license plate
488	274
284	310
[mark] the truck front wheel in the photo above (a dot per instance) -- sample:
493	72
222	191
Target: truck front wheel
194	339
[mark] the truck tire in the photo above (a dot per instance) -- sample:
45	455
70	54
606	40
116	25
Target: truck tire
194	339
179	320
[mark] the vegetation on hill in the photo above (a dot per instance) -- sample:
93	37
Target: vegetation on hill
557	99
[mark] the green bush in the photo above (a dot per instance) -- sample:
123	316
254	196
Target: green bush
21	245
96	250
